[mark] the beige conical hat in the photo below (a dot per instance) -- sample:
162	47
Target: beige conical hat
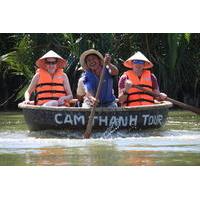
51	54
88	52
137	56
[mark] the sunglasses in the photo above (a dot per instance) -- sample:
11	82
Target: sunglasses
51	63
140	62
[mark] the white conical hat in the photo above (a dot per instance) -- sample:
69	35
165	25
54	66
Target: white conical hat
51	54
137	56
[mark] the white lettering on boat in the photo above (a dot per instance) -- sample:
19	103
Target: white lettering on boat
57	118
79	120
152	119
101	120
123	121
113	121
68	120
133	120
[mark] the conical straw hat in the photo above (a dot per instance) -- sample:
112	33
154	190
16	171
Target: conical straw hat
88	52
137	56
51	54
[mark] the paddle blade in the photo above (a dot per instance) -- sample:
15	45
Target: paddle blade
87	135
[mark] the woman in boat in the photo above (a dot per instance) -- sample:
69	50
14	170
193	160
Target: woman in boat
92	62
50	83
138	74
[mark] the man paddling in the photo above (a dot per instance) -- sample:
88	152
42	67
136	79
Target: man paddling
92	62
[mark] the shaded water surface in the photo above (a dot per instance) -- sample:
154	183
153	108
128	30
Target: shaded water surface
177	143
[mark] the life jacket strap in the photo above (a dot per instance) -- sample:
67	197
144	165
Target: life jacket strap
138	100
51	84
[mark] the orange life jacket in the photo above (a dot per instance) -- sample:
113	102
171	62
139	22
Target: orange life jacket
48	87
137	97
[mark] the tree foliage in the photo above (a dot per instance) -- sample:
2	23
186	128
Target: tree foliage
175	57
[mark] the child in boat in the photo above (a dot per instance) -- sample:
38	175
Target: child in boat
92	62
138	74
50	83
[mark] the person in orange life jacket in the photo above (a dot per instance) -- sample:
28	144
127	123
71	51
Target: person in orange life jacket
50	83
138	75
92	62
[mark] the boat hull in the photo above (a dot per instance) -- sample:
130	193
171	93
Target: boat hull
73	118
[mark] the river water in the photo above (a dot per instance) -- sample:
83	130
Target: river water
175	144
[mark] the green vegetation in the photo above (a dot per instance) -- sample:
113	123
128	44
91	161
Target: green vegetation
175	57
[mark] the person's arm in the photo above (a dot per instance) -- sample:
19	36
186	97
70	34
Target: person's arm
156	90
113	70
67	88
31	88
80	92
123	86
89	91
91	98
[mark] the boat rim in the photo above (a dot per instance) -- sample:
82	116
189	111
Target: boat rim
163	104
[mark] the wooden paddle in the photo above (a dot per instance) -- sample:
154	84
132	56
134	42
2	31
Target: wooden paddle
175	102
88	130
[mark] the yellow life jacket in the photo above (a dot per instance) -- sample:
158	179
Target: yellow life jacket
48	87
137	97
